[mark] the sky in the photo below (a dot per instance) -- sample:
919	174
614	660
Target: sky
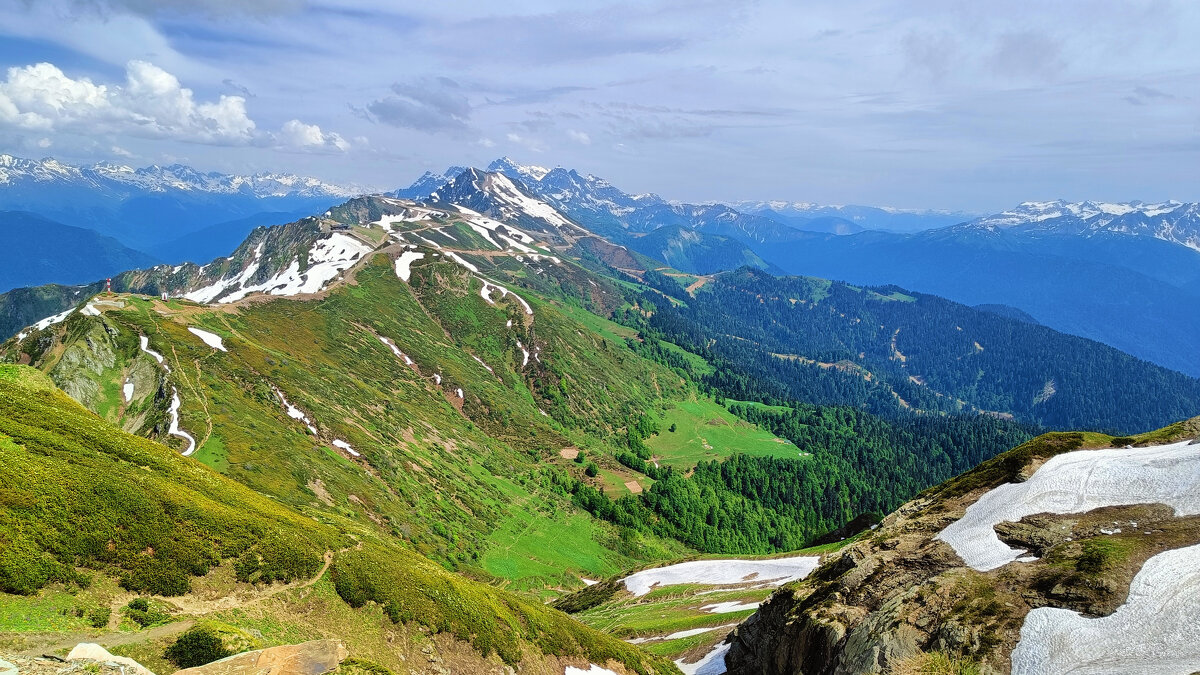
973	105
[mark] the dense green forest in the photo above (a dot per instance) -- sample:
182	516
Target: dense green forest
848	462
886	350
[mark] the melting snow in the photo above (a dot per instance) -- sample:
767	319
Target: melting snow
1076	482
593	670
404	264
145	342
459	393
456	258
396	350
51	320
173	411
337	442
89	310
489	368
211	339
1157	630
128	389
771	572
727	607
680	634
294	412
437	379
524	354
486	294
713	662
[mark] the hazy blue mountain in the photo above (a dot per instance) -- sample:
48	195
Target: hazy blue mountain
38	251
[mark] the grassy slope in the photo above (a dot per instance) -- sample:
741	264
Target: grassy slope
81	492
468	488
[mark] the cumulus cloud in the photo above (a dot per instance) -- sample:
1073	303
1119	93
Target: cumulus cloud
150	103
579	136
297	134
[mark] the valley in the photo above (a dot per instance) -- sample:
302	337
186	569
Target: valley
530	416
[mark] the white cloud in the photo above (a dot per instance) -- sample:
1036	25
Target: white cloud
150	103
297	134
579	137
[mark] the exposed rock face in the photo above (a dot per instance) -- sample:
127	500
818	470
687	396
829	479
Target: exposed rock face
893	601
308	658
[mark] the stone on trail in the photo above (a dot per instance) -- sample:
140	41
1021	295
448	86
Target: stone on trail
90	651
308	658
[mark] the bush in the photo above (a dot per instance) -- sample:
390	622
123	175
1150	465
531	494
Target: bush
196	647
98	616
144	613
592	470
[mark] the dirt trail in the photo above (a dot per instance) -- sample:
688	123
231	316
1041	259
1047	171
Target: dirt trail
52	643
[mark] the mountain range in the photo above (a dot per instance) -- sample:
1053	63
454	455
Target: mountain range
150	209
408	423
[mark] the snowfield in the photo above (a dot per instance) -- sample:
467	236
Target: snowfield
327	258
211	339
772	572
1076	482
145	344
1156	631
404	264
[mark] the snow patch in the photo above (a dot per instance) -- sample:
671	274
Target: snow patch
51	320
211	339
1157	630
731	606
592	670
680	634
728	572
456	258
174	430
713	663
128	390
145	344
1077	482
339	443
396	350
404	264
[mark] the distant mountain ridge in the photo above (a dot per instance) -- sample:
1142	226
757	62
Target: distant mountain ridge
16	171
1174	222
154	207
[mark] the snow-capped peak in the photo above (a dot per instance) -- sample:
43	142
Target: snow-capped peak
1173	221
176	177
524	171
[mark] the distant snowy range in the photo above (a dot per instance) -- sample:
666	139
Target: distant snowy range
1126	274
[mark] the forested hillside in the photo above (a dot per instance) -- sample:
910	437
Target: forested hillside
891	351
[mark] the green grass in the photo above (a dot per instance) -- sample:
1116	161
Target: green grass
706	431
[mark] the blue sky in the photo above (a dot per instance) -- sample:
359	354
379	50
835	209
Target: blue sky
970	105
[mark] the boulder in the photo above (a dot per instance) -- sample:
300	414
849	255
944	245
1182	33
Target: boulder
90	651
308	658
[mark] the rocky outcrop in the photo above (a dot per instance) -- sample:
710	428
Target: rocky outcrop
899	600
308	658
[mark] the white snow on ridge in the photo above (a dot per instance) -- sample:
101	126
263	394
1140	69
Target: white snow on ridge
404	264
211	339
51	320
1077	482
727	572
680	634
1156	631
456	258
327	258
